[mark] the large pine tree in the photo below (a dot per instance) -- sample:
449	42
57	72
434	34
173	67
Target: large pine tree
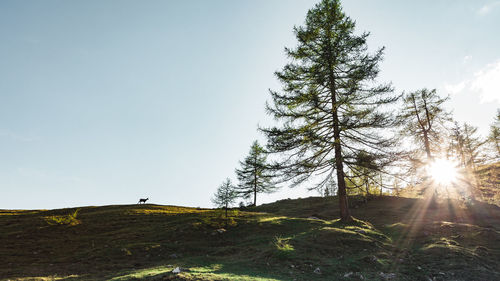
254	176
329	104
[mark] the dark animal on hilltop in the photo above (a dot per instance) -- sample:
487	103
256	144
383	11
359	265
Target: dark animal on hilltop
143	200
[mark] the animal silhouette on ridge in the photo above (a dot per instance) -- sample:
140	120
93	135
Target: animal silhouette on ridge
142	200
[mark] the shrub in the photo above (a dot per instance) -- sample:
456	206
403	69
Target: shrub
69	219
285	249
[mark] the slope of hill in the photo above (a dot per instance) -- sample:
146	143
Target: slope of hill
394	239
489	177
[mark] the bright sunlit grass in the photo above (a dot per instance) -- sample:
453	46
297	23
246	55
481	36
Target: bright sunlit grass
442	171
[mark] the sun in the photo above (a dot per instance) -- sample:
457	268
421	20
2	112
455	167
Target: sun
442	171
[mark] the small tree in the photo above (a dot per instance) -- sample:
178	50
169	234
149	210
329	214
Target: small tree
254	176
494	137
467	146
225	195
363	174
330	188
472	147
396	187
456	147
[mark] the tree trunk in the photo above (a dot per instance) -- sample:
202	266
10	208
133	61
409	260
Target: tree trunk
226	217
345	216
427	145
255	187
343	205
462	158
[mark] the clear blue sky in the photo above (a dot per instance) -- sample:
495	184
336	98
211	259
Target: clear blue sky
104	102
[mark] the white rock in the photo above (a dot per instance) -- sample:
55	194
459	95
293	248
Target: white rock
348	274
176	270
387	276
317	270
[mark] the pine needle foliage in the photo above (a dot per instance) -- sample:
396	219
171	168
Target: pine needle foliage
254	176
494	137
467	146
330	105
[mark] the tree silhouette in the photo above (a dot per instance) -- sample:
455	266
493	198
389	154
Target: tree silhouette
225	195
254	176
329	106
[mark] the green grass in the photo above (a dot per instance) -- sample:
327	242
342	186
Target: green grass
285	240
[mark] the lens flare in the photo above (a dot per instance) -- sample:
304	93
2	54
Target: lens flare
442	171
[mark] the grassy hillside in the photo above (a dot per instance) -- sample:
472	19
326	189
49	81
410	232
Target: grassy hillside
489	178
393	239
